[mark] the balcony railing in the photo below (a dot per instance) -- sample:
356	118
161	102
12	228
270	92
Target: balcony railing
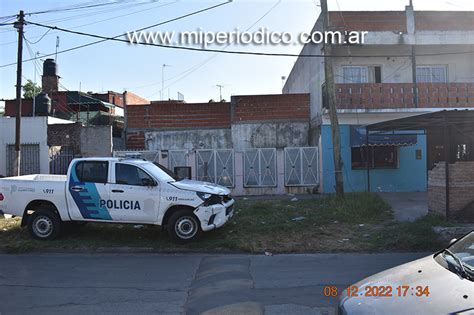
400	95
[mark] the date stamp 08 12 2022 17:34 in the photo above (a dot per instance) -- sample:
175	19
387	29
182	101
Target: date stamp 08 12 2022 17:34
378	291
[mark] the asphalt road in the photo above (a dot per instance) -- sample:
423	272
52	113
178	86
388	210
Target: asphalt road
181	283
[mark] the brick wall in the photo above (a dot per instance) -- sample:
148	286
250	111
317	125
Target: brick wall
179	115
444	20
368	21
65	135
400	95
396	20
461	187
26	107
134	99
278	107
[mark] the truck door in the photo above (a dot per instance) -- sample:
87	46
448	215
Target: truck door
87	190
134	195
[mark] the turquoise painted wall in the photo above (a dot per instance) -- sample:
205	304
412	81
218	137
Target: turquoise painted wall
411	175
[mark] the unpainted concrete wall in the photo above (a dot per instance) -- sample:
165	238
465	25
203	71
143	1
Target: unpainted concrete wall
96	141
270	135
191	139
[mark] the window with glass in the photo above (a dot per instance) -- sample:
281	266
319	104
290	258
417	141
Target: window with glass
92	171
355	74
431	74
379	157
126	174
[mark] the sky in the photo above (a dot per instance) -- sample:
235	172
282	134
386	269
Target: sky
119	66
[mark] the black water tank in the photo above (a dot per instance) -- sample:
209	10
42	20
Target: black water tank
50	68
42	104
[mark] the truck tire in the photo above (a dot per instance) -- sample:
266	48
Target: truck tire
44	225
184	227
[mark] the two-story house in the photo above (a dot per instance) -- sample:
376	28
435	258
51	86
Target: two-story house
412	62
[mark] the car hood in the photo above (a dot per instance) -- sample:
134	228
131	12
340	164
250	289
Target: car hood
449	293
199	186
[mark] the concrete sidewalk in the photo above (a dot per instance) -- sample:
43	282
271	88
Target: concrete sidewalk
407	206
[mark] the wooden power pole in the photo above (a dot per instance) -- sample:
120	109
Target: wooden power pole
18	25
330	90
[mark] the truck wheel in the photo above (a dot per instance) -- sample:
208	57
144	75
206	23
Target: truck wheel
44	225
183	227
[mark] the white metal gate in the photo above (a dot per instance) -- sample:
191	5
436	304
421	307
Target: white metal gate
216	166
260	168
301	166
30	159
177	158
152	156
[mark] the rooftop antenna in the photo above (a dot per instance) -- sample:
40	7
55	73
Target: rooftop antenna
220	86
163	80
57	46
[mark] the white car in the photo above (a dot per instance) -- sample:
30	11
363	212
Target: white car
442	283
118	191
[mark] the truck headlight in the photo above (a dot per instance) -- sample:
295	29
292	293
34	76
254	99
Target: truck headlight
209	199
203	196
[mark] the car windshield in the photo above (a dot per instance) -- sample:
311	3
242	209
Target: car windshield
464	250
157	172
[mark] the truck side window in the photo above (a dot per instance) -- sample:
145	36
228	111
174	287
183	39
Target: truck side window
92	171
126	174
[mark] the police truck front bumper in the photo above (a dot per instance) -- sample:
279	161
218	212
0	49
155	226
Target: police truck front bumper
215	216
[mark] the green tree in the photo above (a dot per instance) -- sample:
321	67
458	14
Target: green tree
30	89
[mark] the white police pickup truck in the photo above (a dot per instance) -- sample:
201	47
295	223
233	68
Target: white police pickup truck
118	191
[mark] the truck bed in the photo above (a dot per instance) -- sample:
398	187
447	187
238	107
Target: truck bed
39	177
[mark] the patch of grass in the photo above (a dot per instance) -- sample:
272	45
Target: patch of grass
359	222
417	235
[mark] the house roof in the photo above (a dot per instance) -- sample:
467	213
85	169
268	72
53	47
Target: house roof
79	98
461	119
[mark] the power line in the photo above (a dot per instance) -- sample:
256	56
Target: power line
101	20
36	42
104	38
74	8
195	68
115	38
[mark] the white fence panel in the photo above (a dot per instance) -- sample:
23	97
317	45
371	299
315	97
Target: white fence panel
216	166
301	166
260	168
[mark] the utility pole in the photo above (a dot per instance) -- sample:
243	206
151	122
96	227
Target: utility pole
220	91
19	26
330	90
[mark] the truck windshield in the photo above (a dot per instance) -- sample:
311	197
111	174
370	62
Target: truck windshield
157	172
464	249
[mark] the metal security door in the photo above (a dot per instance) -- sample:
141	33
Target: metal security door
30	159
292	167
59	159
309	160
301	166
216	166
177	158
260	168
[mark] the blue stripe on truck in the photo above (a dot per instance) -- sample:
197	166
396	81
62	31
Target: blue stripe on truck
88	200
